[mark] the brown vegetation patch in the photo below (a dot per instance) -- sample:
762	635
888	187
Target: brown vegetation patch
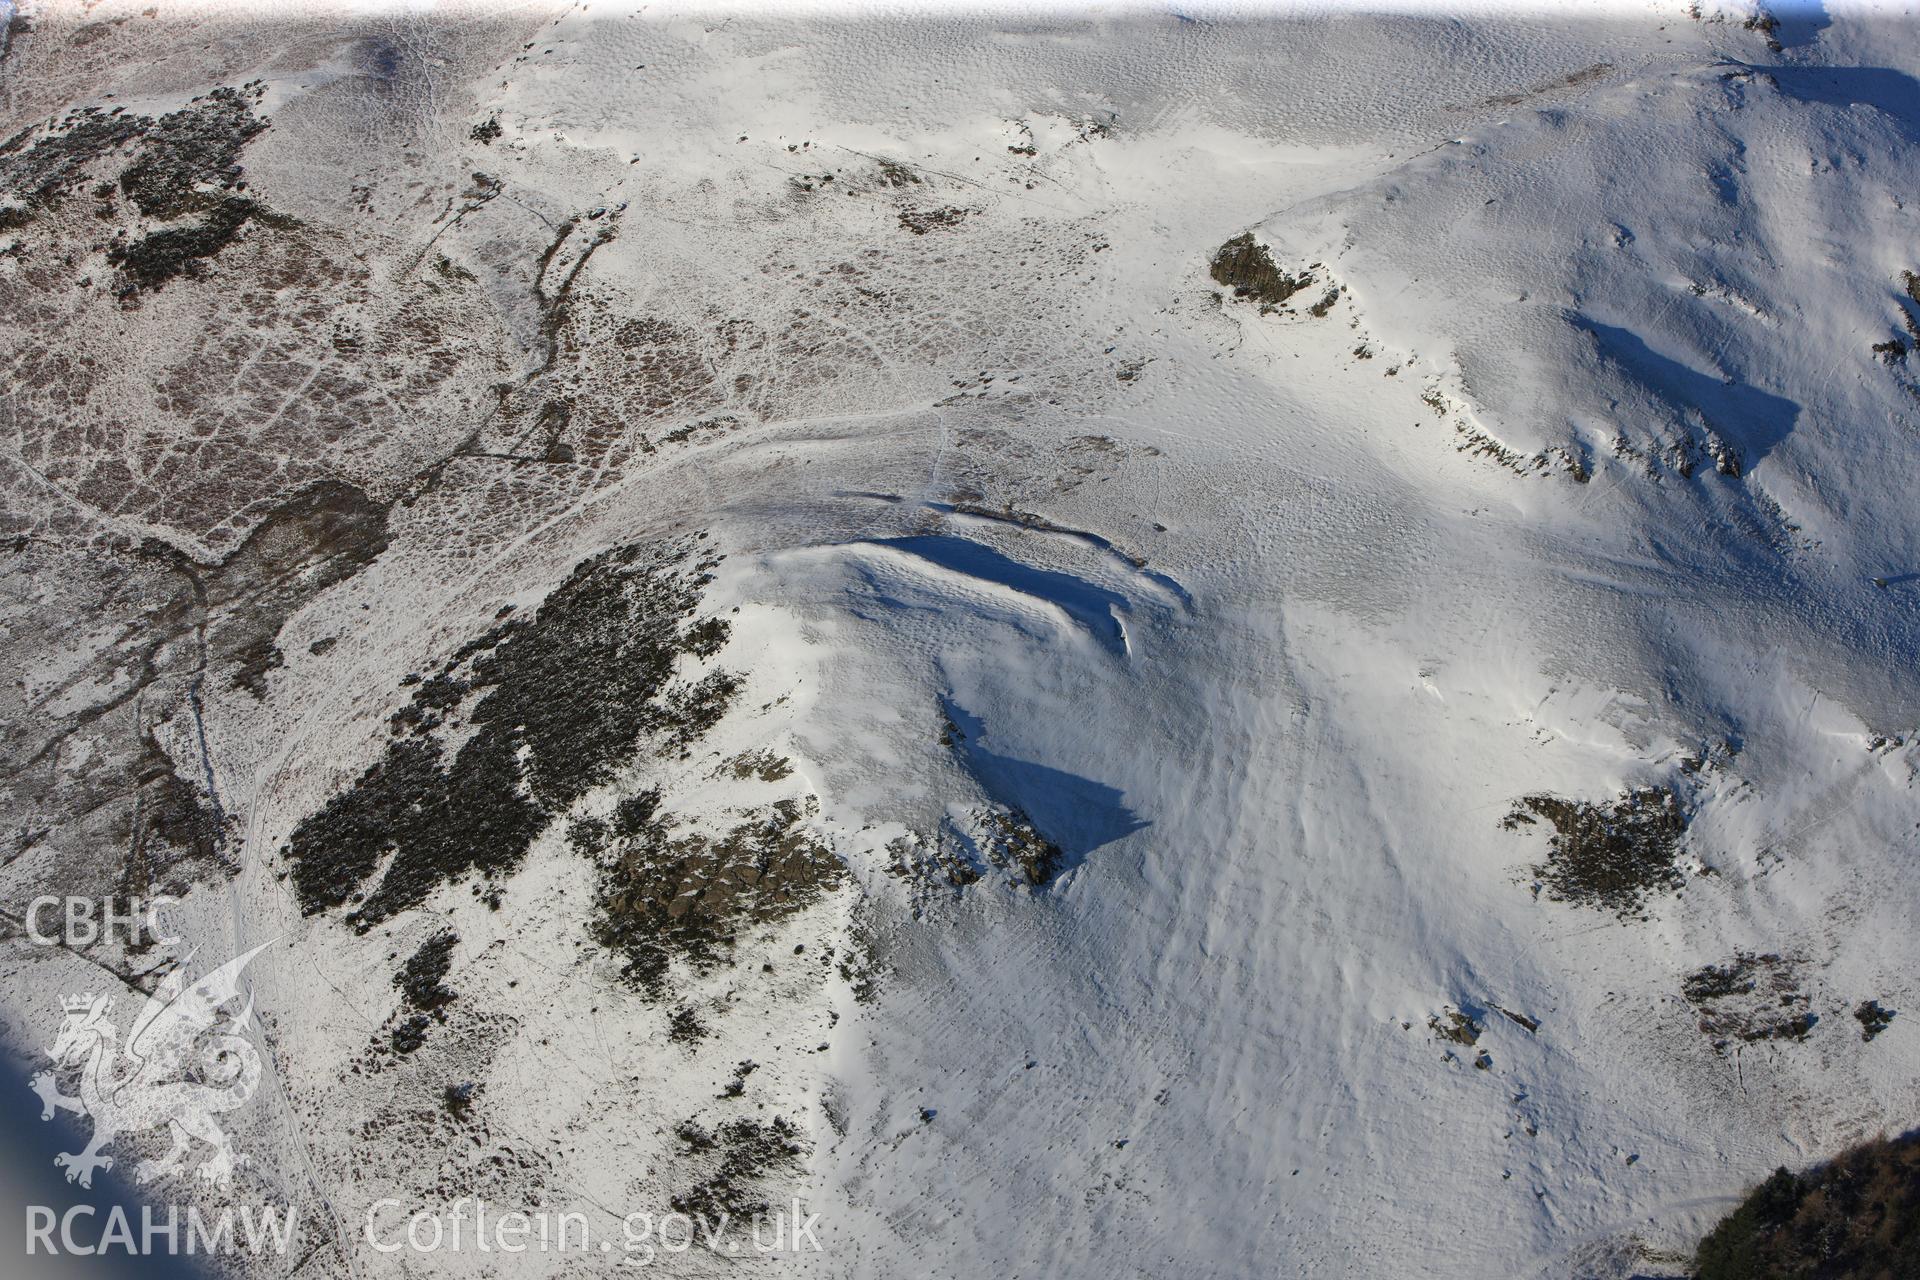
1610	855
921	221
1748	999
1011	840
563	698
1247	268
742	1155
665	896
1857	1218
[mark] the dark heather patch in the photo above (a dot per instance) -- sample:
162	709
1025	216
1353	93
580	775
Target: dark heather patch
17	25
1247	268
315	540
1794	1026
176	834
257	661
163	255
39	171
411	1035
1873	1018
762	764
187	162
458	1098
1612	855
422	980
1749	998
860	962
1717	982
742	1155
921	221
664	897
1531	1024
685	1027
559	701
737	1084
1011	840
1856	1217
199	145
1455	1027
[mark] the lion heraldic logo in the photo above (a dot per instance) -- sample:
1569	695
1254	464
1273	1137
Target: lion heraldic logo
185	1061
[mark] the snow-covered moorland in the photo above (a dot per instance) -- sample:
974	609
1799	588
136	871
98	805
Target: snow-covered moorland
1206	642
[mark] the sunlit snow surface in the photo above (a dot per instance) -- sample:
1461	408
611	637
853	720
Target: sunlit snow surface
1585	477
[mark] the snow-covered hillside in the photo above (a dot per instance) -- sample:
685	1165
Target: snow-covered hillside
1198	643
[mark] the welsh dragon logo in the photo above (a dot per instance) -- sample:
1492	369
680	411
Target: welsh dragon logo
185	1061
